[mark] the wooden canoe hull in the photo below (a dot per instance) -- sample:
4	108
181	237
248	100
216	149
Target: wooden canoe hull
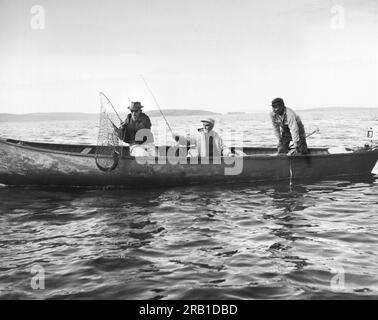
26	163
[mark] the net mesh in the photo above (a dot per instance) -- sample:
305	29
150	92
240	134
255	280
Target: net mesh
109	147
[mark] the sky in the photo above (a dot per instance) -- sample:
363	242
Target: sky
217	55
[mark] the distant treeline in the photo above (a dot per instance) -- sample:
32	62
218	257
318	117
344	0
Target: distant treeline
69	116
337	109
48	116
180	112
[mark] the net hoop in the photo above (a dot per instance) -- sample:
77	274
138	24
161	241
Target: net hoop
108	149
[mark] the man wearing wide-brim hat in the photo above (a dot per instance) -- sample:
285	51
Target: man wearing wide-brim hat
207	142
136	131
288	127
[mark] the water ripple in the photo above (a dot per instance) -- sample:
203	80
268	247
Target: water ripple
238	241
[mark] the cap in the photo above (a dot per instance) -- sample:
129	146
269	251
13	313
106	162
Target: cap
209	120
278	101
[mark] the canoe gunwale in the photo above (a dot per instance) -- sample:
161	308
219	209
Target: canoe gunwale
12	142
34	163
44	150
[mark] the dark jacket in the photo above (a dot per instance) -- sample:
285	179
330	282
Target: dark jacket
129	129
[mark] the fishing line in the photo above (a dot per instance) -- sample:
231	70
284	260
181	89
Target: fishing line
291	176
157	104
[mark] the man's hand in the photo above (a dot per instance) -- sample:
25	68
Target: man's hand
175	137
294	152
115	127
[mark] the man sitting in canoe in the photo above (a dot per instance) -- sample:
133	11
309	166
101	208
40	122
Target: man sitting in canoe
288	127
207	142
136	131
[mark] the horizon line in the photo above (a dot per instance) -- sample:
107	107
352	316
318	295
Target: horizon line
184	109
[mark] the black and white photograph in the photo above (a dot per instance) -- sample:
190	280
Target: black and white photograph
176	151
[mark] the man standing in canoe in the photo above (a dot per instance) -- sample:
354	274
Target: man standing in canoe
207	142
288	127
136	131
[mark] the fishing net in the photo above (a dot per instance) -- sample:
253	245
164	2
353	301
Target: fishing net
109	146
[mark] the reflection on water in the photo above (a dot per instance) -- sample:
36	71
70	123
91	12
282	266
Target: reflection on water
241	241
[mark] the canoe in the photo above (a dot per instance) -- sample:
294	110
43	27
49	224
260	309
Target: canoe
34	163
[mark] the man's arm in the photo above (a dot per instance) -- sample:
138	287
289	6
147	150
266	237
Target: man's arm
276	127
226	152
144	127
122	132
146	122
185	140
294	129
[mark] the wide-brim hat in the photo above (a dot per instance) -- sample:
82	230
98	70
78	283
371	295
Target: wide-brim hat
209	120
136	106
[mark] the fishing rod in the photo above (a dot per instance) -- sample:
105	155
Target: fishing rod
317	130
157	104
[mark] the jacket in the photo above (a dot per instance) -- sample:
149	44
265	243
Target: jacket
288	124
129	129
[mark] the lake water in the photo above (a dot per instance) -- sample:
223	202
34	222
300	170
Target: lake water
318	240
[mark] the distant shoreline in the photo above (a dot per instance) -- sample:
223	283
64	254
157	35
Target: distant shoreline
332	109
70	116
